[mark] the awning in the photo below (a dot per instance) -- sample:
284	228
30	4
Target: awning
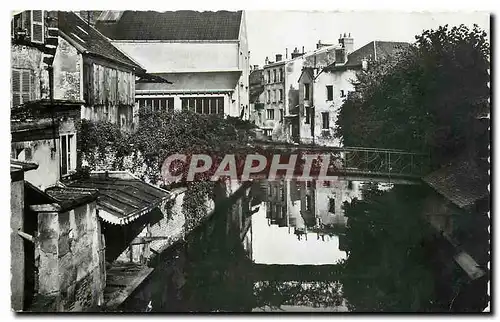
122	196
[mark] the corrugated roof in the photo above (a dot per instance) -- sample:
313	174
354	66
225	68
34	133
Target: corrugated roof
171	25
462	182
123	199
193	82
86	38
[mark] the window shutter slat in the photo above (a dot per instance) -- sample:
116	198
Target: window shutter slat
16	99
25	82
37	35
37	16
16	81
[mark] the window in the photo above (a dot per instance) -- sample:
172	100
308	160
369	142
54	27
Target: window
270	114
37	26
342	94
275	78
306	91
268	76
349	185
281	75
281	95
281	115
308	115
331	205
23	86
157	104
326	120
268	96
329	92
68	153
275	96
308	203
203	105
327	184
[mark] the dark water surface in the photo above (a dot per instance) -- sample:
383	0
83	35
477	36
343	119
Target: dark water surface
307	246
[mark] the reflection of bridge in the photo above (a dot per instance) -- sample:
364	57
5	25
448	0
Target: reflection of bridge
264	272
354	163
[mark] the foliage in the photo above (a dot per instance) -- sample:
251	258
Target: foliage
386	268
425	98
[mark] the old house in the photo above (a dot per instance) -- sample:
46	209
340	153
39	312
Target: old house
203	55
63	70
324	88
70	72
281	79
257	96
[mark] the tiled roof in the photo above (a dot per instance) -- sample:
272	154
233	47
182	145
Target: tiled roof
172	25
375	50
123	197
69	197
194	82
462	182
87	39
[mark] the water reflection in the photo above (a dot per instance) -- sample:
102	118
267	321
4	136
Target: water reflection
301	222
276	248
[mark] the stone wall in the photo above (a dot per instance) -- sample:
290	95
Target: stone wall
17	244
30	58
67	72
71	260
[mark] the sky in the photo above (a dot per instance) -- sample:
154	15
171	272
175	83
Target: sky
270	32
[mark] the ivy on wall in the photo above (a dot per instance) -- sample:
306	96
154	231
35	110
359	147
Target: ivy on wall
103	146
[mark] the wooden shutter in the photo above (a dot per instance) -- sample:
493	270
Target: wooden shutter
16	87
37	26
25	86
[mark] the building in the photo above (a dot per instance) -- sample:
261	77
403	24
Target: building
63	71
257	96
323	89
203	55
71	72
281	89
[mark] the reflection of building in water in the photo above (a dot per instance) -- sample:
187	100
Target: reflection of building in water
307	206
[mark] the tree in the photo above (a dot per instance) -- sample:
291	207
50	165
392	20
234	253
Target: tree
423	99
386	269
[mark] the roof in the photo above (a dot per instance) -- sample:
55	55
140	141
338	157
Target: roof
17	165
69	198
375	50
461	182
193	82
122	197
88	40
171	25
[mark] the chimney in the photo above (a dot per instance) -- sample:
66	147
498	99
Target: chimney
255	67
279	57
318	45
266	62
286	53
303	49
296	53
347	42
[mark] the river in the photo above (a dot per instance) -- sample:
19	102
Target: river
290	246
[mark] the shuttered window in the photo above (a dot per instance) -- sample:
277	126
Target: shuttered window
23	86
157	104
37	26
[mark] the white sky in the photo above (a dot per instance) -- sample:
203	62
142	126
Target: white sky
270	32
